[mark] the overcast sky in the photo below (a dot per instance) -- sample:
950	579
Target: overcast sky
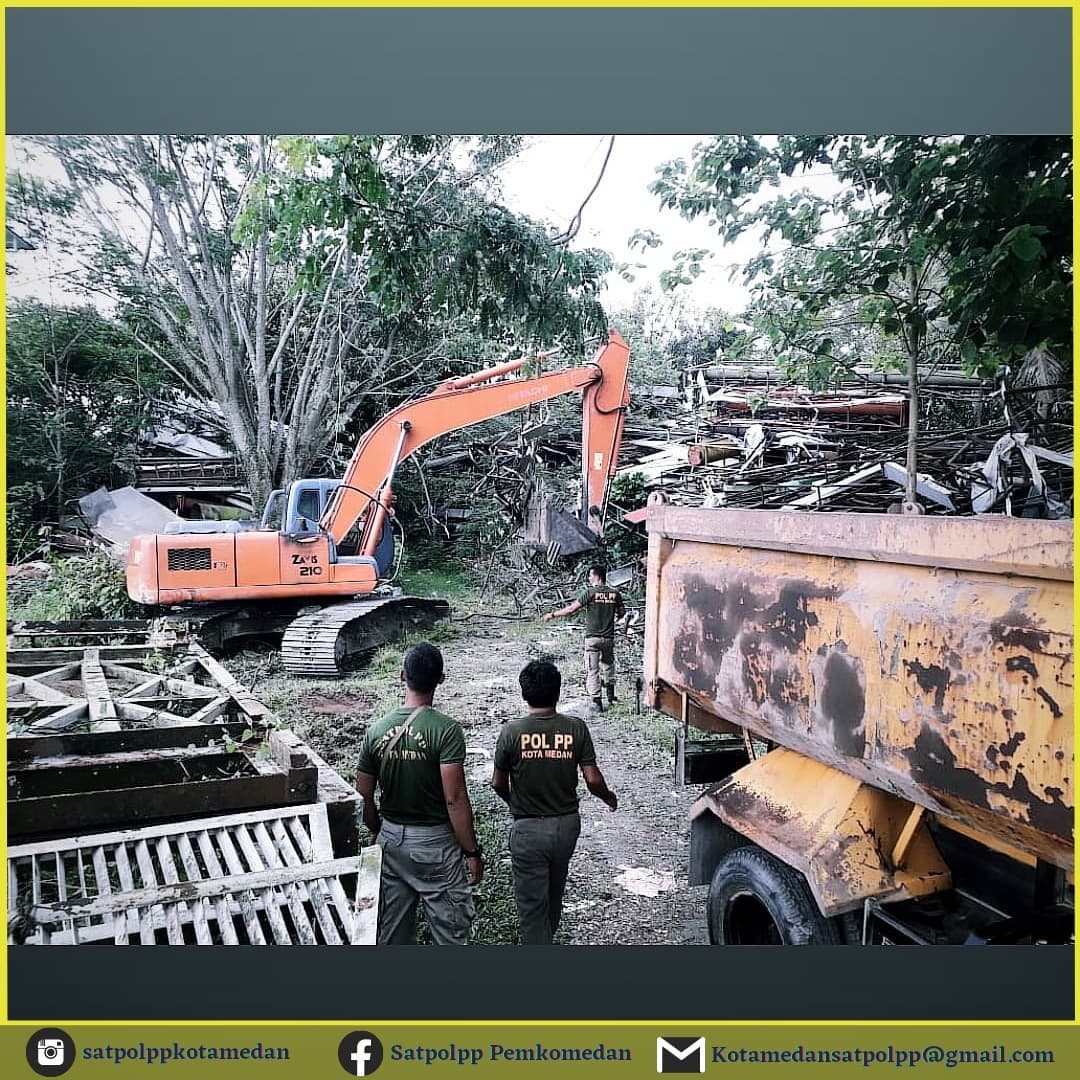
555	173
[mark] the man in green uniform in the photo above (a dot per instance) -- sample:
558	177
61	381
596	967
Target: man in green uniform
603	605
424	822
536	768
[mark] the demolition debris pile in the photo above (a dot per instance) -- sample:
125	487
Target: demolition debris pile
736	436
731	435
739	436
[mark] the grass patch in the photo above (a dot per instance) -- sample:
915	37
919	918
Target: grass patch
375	687
84	587
451	583
496	916
335	735
657	728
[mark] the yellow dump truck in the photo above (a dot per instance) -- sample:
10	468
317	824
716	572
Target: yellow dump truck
883	709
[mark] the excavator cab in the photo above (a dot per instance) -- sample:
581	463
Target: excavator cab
297	508
296	511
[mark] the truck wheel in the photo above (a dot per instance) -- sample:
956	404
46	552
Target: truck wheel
755	899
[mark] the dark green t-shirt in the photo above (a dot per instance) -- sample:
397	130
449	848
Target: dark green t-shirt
542	755
603	605
410	781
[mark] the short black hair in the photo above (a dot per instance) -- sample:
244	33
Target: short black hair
599	571
423	666
540	684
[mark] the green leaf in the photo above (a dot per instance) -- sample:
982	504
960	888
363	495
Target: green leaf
643	238
1026	247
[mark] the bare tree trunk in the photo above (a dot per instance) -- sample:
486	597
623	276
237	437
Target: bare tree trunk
287	370
59	399
913	341
264	464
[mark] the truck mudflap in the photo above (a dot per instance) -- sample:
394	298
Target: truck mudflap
851	841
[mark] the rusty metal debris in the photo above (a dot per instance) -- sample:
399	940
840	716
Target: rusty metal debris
748	440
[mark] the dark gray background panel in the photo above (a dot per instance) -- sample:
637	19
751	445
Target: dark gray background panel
533	71
542	983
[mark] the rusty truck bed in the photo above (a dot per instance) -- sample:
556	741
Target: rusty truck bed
929	657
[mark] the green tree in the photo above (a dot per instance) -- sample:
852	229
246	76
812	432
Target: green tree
421	212
667	337
77	391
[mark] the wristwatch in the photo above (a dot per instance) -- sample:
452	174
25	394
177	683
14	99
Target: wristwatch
477	854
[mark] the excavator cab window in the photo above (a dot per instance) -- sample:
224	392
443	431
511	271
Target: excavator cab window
275	506
307	505
301	506
350	542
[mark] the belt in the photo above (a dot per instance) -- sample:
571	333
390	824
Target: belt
543	817
419	828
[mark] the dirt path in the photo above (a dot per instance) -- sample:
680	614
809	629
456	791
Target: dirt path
628	882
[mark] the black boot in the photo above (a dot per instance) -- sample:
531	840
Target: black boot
611	694
596	706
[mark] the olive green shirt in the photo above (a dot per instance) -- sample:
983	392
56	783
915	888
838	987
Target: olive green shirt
603	605
410	780
542	754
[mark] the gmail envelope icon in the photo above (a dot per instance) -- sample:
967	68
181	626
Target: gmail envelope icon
680	1055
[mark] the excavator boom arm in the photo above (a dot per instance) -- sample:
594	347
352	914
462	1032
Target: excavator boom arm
461	403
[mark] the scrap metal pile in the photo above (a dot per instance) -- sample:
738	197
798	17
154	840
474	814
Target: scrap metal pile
736	438
740	436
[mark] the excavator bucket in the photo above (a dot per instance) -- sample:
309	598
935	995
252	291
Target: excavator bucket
565	530
547	525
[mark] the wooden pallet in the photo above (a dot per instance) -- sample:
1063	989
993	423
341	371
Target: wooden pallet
110	688
110	736
258	878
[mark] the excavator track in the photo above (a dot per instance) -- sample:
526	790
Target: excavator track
336	638
220	628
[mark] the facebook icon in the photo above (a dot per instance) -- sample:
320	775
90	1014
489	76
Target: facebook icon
360	1053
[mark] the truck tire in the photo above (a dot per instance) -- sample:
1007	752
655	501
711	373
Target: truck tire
755	899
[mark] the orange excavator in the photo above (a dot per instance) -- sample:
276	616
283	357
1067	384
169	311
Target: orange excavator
321	539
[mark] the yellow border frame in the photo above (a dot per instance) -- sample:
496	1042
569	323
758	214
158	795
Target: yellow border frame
610	1030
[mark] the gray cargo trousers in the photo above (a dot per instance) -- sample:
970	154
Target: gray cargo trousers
423	863
599	666
540	852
